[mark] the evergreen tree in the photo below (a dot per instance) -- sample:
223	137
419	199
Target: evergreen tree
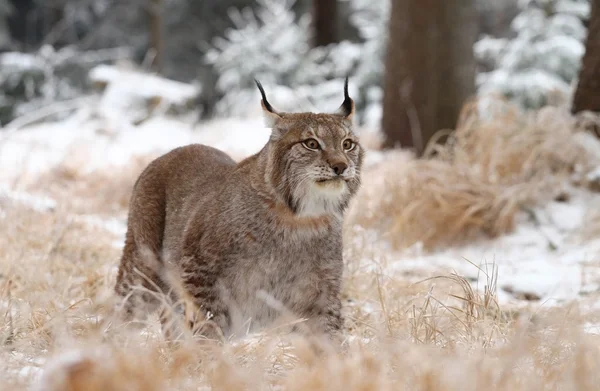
537	66
273	45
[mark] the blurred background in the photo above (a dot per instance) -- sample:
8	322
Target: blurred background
412	64
491	199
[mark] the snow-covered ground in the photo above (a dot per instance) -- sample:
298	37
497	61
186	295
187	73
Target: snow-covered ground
101	145
543	260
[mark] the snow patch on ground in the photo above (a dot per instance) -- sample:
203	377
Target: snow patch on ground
29	367
117	227
39	203
143	84
95	144
540	261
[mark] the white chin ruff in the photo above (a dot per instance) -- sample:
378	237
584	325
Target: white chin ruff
322	198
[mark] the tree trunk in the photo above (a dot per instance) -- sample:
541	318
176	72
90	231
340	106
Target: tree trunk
587	95
157	41
325	24
25	23
430	69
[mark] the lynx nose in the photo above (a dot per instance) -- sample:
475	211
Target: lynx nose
339	168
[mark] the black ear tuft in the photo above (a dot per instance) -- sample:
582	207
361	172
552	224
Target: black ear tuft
264	97
271	115
346	97
347	107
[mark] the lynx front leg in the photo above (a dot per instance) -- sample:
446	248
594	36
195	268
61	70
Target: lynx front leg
327	311
178	324
327	319
325	326
205	310
324	314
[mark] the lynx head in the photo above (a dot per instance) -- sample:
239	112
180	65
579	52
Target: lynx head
314	160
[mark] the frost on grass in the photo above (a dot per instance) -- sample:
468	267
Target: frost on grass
422	278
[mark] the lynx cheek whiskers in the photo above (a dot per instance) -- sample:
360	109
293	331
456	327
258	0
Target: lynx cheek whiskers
268	226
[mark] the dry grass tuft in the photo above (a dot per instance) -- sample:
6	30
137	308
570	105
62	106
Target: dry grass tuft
431	202
508	146
491	167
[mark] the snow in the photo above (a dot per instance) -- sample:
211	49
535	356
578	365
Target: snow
270	44
579	8
591	328
38	203
20	61
96	146
541	261
594	176
537	66
117	227
144	85
134	94
31	368
538	260
529	88
568	25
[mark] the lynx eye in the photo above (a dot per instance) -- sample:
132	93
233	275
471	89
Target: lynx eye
311	144
348	145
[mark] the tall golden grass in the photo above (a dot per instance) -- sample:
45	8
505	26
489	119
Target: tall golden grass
59	332
493	165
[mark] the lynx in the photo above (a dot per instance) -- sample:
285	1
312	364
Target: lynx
252	241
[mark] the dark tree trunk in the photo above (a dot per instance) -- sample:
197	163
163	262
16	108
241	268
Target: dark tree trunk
430	69
325	22
587	95
157	40
30	21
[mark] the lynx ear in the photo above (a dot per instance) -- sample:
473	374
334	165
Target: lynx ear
346	110
270	114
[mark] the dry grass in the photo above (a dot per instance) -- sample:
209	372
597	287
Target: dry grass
57	272
436	335
91	192
491	168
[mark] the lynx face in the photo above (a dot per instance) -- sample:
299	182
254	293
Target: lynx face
317	162
315	158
